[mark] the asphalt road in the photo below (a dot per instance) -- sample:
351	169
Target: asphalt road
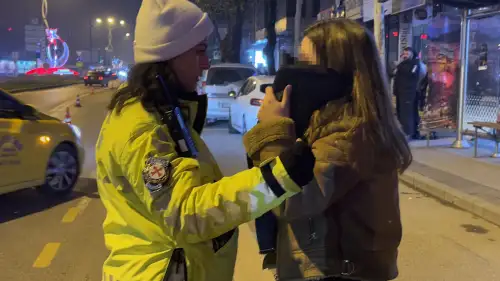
54	100
46	240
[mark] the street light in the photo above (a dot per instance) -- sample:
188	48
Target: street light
110	25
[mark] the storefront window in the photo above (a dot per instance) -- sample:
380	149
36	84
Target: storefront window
483	77
392	41
420	40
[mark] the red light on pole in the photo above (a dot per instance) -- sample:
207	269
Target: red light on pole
395	33
424	36
9	29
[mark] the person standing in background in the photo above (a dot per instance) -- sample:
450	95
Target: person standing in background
407	76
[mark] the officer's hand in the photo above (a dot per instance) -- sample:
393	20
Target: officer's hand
272	108
299	162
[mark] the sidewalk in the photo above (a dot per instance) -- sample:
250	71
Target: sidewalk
455	177
249	262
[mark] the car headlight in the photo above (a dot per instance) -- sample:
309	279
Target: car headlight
76	131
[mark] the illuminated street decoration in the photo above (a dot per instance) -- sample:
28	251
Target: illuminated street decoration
116	63
57	49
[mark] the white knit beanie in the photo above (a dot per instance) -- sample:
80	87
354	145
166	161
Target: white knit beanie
167	28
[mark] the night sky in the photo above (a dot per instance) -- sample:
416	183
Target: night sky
72	17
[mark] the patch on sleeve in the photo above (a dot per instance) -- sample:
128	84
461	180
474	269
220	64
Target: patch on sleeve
156	173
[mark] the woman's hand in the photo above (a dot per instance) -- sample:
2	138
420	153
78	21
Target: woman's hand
272	108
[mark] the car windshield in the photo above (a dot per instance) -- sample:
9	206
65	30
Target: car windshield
226	75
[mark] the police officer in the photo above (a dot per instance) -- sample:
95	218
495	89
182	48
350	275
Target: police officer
170	213
408	74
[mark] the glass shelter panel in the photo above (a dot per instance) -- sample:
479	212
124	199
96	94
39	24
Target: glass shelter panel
483	78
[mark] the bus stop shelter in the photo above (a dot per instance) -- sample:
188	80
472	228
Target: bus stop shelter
470	9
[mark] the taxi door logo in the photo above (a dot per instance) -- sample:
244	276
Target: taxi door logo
9	150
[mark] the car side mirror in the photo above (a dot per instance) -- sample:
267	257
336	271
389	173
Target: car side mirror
232	94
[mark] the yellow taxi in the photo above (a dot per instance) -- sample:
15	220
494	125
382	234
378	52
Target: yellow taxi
37	150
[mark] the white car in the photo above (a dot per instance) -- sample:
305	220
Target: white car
247	101
217	82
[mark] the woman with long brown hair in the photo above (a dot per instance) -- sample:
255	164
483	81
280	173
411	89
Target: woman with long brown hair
346	224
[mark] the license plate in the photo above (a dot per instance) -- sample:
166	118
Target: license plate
224	105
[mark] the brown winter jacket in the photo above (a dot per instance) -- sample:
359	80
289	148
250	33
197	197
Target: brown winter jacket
346	223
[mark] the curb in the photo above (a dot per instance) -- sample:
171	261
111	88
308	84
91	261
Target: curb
15	91
448	194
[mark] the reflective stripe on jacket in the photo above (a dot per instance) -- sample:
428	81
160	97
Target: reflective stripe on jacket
195	205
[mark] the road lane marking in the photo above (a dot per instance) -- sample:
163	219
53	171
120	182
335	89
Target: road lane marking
73	212
47	255
70	215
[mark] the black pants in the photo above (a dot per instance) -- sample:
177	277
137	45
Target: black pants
407	112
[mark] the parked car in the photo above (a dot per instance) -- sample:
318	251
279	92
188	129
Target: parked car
247	101
99	77
217	81
37	150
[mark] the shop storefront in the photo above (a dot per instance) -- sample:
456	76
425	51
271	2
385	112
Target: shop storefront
413	17
353	9
390	28
329	13
350	9
256	54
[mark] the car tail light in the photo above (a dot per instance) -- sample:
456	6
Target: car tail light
101	78
256	102
86	77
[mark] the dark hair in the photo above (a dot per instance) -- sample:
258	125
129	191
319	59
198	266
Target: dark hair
413	52
408	49
347	47
142	84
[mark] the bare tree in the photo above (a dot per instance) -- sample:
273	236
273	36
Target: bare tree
270	19
297	27
232	11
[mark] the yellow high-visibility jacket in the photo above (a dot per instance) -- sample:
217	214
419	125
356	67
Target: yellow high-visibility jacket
157	201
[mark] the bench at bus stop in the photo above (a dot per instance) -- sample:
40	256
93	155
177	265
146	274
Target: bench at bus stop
480	131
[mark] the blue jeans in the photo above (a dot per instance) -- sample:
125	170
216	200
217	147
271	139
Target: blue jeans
266	228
